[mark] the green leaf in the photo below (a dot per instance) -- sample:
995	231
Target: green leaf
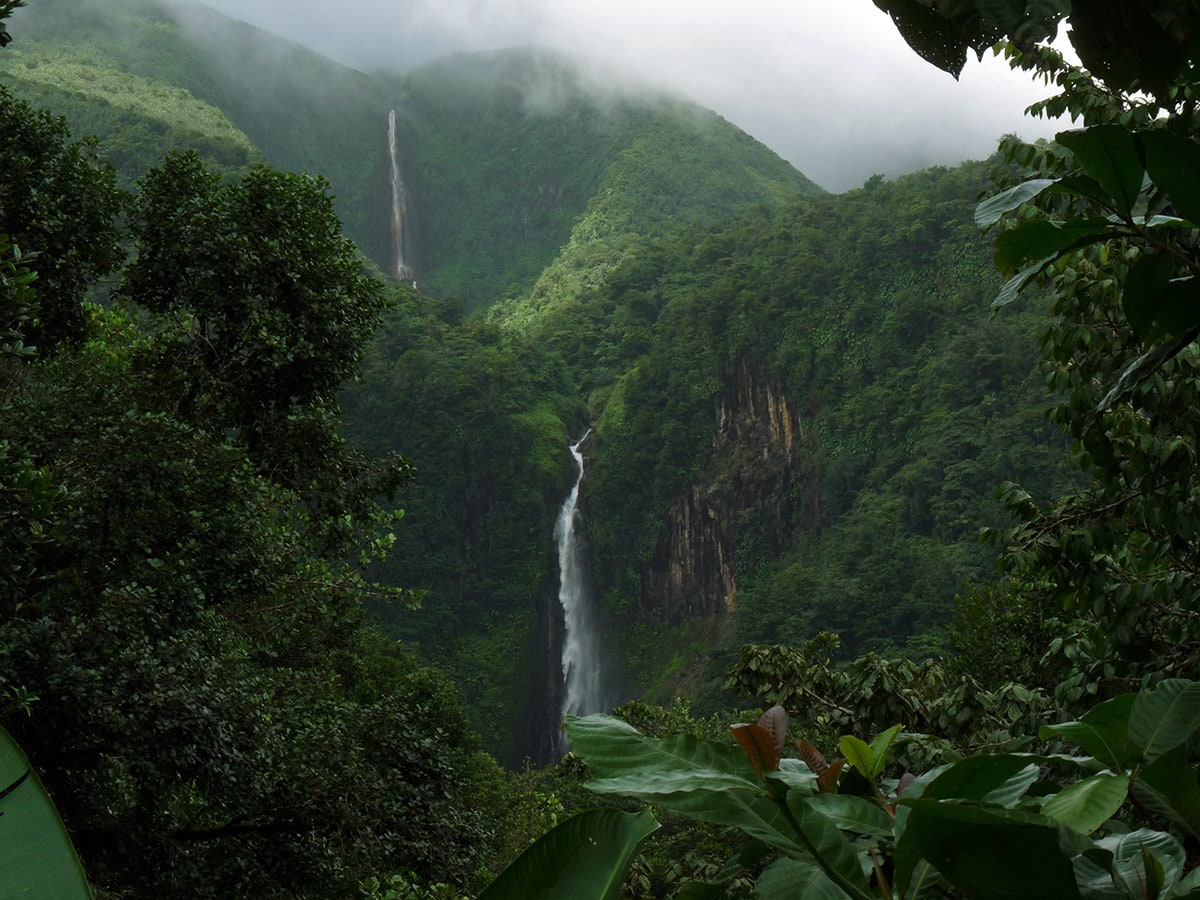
1163	718
992	854
859	754
1103	732
36	855
1001	780
1144	289
796	879
585	857
855	814
1142	858
827	846
880	747
1038	239
1012	287
1086	805
1109	154
1169	787
625	761
706	781
991	210
934	38
1173	163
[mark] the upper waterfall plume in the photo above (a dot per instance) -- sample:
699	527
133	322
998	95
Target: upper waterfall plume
400	268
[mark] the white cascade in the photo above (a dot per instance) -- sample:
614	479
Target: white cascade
581	665
400	269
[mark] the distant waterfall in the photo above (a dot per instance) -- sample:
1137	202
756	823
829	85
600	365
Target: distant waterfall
581	664
400	268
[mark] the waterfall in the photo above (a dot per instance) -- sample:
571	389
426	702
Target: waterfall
400	269
581	664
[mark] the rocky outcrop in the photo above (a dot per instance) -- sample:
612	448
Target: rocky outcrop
759	486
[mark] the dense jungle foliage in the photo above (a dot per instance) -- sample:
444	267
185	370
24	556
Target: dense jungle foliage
207	562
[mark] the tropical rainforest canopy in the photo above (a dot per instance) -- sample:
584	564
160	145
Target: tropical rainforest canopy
277	532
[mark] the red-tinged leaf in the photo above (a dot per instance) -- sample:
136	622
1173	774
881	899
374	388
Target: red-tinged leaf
759	746
775	721
812	757
828	781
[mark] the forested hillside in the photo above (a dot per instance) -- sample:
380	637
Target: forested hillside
279	559
803	413
549	215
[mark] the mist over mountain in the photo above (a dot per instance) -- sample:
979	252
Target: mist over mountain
830	87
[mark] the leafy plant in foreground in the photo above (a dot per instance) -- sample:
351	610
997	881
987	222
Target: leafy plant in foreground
1105	821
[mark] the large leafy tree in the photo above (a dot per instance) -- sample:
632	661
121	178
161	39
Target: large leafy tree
182	647
1106	218
58	203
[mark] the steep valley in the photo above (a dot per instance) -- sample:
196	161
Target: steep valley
801	405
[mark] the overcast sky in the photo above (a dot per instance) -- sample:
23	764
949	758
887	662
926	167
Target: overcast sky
828	84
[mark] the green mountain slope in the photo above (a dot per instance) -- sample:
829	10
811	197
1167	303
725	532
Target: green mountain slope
145	76
510	155
800	416
502	153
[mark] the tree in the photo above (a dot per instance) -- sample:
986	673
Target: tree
182	537
1106	219
58	203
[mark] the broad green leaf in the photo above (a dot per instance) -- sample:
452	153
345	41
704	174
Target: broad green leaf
992	854
585	857
1038	239
1141	857
1190	885
859	754
793	775
36	855
1144	289
1146	365
1173	163
1109	154
933	37
706	781
1000	780
914	877
1157	305
855	814
1012	287
827	846
1093	876
991	210
796	879
1164	717
1169	787
625	761
880	747
1103	732
1083	186
1086	805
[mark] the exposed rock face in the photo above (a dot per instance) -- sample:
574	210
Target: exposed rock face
757	488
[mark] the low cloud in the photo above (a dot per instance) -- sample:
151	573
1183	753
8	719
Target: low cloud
831	87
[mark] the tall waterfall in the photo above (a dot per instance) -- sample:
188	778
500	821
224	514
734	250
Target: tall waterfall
400	268
583	692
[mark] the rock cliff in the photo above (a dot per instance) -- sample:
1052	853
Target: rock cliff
759	485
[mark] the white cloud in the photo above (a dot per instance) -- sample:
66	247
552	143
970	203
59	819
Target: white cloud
828	84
